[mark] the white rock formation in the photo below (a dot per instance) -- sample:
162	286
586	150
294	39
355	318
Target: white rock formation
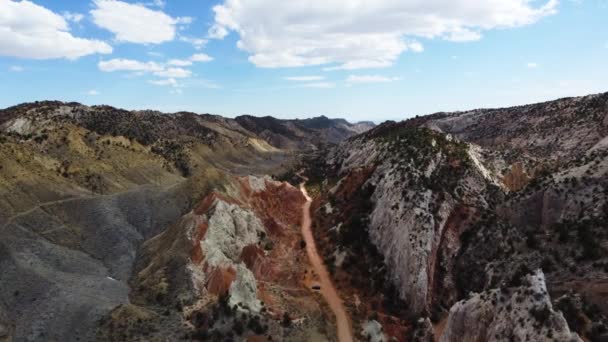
372	331
258	184
230	229
407	223
243	290
517	314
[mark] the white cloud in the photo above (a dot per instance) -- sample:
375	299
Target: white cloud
166	82
157	3
93	92
179	62
119	64
201	57
532	65
74	17
305	78
28	30
184	20
171	70
217	31
174	73
135	23
155	54
176	87
197	43
354	34
370	79
16	68
462	35
324	85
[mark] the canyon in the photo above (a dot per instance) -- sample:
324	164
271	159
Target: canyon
484	225
327	288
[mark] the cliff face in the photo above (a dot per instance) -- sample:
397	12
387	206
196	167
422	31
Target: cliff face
472	202
523	313
561	129
426	187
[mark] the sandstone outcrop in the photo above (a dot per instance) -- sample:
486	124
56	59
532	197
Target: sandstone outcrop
523	313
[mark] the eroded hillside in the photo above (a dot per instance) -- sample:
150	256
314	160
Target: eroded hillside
487	225
92	205
481	225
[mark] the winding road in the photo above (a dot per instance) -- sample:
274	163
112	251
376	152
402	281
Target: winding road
328	291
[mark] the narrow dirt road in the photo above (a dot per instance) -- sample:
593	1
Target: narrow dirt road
328	291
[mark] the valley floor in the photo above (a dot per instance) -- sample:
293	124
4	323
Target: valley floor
329	292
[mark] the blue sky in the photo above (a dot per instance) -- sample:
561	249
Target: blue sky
342	58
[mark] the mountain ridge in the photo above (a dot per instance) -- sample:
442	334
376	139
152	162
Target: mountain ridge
472	203
184	223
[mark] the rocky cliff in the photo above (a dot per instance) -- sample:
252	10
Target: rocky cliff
524	313
471	202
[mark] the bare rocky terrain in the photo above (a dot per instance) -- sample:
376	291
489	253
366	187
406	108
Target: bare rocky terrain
87	193
490	224
485	225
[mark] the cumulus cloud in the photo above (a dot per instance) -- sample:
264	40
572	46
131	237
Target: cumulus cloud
28	30
355	34
184	20
218	31
157	3
197	43
532	65
174	73
172	69
169	72
155	54
176	87
135	23
179	62
167	82
305	78
92	92
119	64
370	79
201	57
73	17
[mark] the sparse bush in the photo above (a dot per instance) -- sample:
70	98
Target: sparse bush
286	321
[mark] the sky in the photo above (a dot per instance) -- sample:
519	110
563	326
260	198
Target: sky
355	59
